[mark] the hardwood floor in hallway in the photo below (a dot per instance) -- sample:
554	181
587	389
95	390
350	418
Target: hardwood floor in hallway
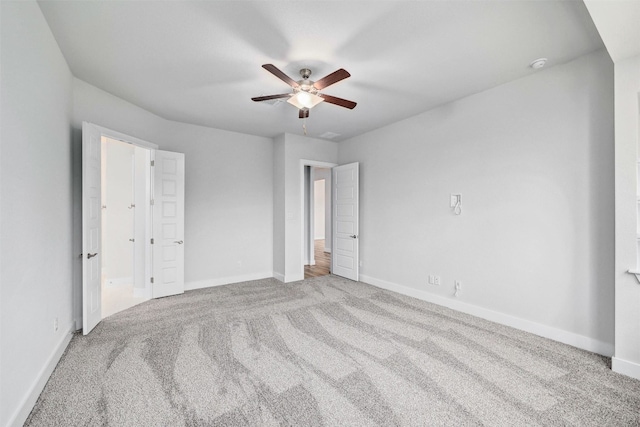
323	262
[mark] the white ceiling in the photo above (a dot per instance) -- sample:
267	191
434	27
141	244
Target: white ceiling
618	22
200	61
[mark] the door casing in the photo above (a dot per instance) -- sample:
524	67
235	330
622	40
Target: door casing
312	164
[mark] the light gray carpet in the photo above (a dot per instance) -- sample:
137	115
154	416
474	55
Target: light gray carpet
325	351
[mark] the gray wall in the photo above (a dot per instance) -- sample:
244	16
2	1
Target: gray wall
228	204
533	160
35	183
279	215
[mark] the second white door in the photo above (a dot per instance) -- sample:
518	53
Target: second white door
345	250
168	224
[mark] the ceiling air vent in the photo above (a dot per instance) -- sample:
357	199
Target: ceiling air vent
329	135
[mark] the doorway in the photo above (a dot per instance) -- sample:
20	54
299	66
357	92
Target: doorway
317	200
126	186
153	263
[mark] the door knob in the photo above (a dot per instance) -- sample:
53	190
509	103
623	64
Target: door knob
89	256
179	242
353	236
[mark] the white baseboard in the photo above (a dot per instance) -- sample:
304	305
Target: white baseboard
278	276
327	250
200	284
294	277
566	337
624	367
20	415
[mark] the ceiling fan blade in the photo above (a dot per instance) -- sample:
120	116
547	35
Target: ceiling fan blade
268	97
279	74
332	78
339	101
303	114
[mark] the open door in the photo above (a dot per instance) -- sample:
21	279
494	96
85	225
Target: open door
168	224
344	256
91	227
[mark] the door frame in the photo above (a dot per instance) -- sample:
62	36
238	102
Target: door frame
312	164
127	139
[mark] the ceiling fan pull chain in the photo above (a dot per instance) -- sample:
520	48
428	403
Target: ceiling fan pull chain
304	126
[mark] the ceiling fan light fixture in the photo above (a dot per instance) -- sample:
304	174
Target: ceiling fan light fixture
306	93
304	99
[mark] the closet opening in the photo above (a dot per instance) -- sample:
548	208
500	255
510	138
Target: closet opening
126	219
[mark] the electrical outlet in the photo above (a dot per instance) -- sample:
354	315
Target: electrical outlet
458	287
55	325
431	279
436	280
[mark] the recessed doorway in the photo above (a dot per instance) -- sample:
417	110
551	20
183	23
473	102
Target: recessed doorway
125	213
317	221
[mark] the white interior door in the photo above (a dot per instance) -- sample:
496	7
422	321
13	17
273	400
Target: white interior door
344	254
168	224
91	227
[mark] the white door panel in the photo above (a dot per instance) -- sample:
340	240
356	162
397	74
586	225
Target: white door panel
344	256
168	224
91	227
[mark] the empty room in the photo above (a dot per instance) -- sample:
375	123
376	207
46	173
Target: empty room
319	213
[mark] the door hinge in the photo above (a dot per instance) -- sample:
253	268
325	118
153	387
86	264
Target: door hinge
152	280
152	202
152	241
153	162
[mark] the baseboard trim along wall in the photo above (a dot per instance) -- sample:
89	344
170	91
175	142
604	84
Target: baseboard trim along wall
294	277
625	367
200	284
288	279
22	412
570	338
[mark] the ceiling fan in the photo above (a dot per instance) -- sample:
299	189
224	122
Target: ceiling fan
306	93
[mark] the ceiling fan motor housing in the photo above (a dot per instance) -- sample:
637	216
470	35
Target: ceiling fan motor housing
306	84
305	73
